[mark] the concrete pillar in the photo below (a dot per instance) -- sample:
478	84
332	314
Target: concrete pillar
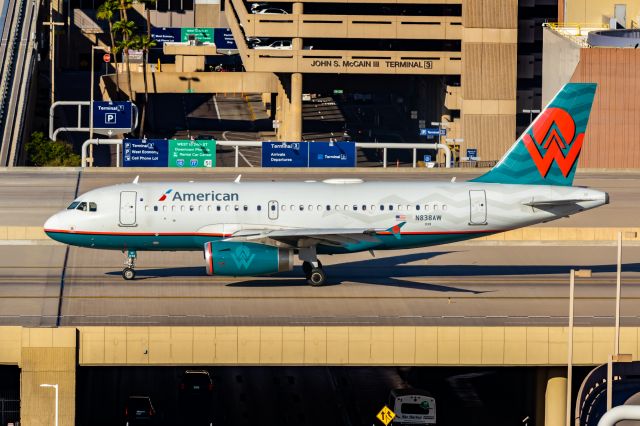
555	398
48	356
296	42
295	113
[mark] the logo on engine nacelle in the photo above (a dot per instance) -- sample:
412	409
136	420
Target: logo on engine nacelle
243	257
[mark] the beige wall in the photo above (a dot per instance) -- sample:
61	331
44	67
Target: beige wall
560	56
592	11
613	134
489	55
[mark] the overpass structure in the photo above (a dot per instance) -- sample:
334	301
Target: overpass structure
496	302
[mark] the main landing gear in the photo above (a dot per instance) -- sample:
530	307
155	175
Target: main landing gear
129	273
312	267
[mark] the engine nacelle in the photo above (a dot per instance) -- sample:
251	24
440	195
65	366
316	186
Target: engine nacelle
242	258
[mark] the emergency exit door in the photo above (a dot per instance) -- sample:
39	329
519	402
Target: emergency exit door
273	209
128	208
477	207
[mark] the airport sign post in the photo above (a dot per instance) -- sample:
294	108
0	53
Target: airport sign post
472	154
109	117
332	154
285	154
191	153
145	153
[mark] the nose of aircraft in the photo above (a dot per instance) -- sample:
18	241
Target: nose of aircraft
53	224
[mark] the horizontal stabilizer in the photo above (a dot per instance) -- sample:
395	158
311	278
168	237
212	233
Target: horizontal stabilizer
551	203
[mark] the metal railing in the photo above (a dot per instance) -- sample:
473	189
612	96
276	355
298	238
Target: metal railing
237	144
576	32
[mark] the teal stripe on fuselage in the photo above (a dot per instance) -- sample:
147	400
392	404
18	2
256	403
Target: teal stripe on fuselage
196	242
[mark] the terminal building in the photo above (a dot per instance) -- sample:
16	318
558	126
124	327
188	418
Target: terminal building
477	66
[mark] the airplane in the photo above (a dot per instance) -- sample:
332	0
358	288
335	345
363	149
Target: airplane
257	228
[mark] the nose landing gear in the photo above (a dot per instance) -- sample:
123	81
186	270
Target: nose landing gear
129	273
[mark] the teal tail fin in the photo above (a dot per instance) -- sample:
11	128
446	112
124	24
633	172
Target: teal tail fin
547	152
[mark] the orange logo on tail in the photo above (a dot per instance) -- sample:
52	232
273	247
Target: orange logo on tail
554	139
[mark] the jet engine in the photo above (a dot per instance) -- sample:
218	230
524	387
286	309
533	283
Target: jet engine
243	258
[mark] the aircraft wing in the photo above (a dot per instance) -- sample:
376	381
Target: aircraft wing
305	237
553	203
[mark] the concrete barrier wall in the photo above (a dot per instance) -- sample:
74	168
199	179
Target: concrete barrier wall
21	233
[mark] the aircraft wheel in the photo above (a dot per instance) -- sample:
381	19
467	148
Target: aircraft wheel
128	274
317	277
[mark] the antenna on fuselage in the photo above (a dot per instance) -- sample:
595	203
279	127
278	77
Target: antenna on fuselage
135	181
237	180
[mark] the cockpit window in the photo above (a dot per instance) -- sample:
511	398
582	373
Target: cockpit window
93	207
73	205
82	206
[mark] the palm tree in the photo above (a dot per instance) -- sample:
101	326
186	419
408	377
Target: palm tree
144	43
126	29
106	12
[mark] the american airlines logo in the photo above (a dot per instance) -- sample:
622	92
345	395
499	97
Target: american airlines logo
200	196
243	257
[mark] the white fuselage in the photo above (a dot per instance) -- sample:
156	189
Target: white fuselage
136	216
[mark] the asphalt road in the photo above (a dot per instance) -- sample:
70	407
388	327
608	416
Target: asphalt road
448	285
461	284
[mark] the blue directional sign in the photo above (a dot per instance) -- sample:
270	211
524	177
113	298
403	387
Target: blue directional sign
433	131
332	154
223	38
166	35
472	153
427	158
117	116
285	154
145	153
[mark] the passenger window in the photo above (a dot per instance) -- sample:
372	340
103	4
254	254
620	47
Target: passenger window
218	208
355	208
408	207
236	207
155	208
435	207
381	207
301	207
310	208
390	207
245	208
94	207
373	207
182	208
273	207
292	207
328	207
444	207
173	208
364	207
346	208
164	208
191	208
426	207
337	207
319	207
283	207
417	206
259	208
227	208
400	207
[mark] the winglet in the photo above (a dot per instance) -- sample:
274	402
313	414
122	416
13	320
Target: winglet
135	181
395	230
237	180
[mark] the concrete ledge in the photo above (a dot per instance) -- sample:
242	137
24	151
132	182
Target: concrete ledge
320	345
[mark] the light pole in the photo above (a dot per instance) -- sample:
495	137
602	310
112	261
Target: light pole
52	49
531	112
93	54
616	342
45	385
582	273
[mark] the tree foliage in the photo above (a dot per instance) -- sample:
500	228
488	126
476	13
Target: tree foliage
42	151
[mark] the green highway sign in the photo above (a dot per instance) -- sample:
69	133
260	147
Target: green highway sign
204	35
192	153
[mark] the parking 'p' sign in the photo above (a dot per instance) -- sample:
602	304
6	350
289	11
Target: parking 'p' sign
116	117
